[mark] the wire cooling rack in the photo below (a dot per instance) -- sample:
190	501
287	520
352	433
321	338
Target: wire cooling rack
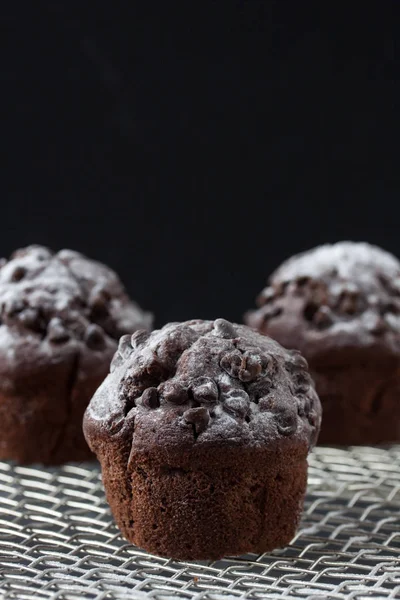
58	540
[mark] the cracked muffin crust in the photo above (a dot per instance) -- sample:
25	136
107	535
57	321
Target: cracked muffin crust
202	429
61	315
340	306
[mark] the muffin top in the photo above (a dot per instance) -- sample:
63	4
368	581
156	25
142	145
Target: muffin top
53	304
334	296
203	382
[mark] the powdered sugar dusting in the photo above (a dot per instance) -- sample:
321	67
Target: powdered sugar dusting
207	380
358	262
346	288
38	286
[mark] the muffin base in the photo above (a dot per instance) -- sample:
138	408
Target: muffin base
41	416
213	504
361	403
32	432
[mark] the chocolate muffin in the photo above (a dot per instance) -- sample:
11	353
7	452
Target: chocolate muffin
340	306
61	316
202	430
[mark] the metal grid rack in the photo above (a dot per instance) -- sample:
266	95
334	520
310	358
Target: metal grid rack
58	540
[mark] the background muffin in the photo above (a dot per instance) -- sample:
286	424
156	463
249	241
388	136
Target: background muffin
340	306
203	430
61	317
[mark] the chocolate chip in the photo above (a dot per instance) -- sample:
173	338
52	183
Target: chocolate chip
18	274
174	392
205	391
33	318
237	403
323	317
310	310
98	302
246	367
250	368
30	318
94	337
224	329
319	293
266	403
302	281
199	417
301	382
139	338
273	403
391	307
245	375
239	393
150	398
231	363
348	299
268	363
286	423
124	346
303	405
56	332
296	362
153	372
132	395
348	305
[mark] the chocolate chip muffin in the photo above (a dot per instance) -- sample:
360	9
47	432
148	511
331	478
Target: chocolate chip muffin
340	306
61	316
202	430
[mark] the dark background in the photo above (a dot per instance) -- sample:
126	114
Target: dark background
194	146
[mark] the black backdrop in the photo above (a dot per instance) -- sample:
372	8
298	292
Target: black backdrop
194	146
